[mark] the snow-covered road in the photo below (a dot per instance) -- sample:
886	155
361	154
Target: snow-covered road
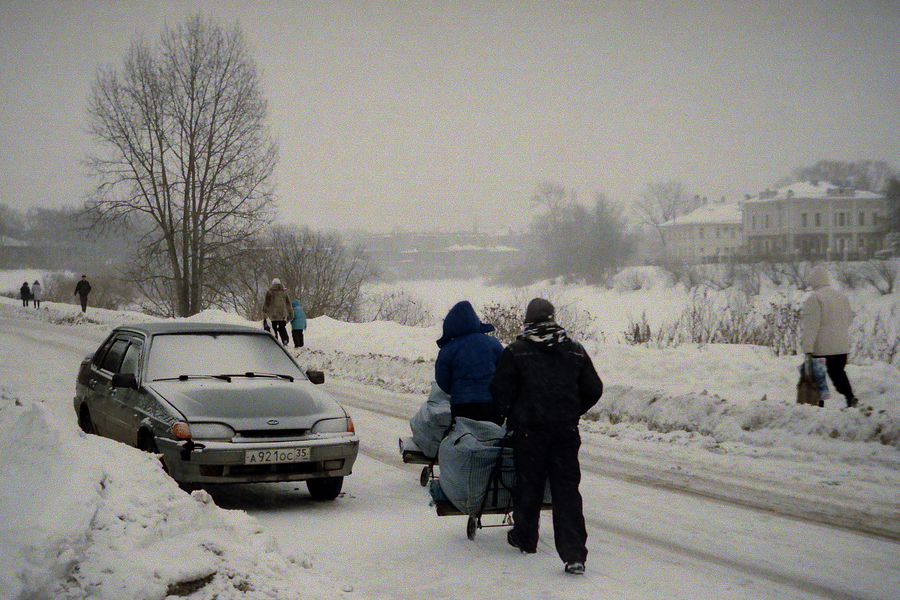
381	539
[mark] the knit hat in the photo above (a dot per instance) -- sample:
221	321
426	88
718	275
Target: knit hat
539	310
275	282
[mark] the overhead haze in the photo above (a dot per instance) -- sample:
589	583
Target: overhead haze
424	115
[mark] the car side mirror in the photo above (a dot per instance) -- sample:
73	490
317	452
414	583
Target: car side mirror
124	380
316	377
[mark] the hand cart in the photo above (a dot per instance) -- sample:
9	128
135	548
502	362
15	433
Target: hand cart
413	455
497	498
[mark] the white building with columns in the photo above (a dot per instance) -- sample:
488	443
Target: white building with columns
808	220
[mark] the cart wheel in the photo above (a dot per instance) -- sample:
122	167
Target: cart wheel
471	527
423	478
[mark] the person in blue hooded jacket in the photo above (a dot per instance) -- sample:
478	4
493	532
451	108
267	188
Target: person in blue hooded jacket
298	323
466	363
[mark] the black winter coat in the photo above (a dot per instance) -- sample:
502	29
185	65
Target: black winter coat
82	288
545	379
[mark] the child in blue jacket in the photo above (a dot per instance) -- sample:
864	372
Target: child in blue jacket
298	324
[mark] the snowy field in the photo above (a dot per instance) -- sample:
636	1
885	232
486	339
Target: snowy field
84	517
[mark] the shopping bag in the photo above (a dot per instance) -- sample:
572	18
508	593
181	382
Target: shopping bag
809	385
820	373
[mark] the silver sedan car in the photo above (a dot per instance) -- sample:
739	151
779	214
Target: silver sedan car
219	404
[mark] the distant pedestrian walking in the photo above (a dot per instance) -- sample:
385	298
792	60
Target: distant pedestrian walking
277	308
25	293
82	289
825	327
298	324
36	293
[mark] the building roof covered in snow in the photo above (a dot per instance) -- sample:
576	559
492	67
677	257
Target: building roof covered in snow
710	214
806	190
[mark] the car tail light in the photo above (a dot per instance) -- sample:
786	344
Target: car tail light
350	427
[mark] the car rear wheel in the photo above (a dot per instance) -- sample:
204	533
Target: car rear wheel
147	443
325	488
84	420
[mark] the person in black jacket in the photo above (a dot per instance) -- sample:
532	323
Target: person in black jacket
543	384
82	289
25	293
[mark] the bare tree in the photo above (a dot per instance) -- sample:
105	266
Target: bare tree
319	270
12	222
610	241
188	156
552	228
891	222
870	175
576	242
557	201
663	201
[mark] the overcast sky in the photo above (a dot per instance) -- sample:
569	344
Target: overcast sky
431	114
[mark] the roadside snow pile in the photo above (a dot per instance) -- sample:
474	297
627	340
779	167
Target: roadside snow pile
87	517
756	422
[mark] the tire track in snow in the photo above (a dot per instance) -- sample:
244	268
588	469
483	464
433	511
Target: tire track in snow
745	567
758	497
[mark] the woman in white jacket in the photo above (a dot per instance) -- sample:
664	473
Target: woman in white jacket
826	329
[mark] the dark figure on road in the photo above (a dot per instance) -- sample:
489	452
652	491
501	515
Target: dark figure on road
544	382
82	289
25	293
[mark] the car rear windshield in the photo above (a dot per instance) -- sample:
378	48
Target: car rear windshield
217	354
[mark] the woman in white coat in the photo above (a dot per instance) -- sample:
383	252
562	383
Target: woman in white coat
825	329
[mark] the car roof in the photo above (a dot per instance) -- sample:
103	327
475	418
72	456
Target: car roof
175	327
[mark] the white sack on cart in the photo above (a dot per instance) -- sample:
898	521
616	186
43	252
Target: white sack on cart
467	456
431	422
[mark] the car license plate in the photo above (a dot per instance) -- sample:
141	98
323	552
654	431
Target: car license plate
277	455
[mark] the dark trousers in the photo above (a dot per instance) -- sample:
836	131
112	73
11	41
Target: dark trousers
297	334
835	365
279	328
83	302
549	453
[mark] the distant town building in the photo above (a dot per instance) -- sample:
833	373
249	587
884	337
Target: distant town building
711	233
438	254
809	220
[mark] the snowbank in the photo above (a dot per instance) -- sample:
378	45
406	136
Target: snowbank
86	517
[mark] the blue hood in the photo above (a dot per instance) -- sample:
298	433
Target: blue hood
462	320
